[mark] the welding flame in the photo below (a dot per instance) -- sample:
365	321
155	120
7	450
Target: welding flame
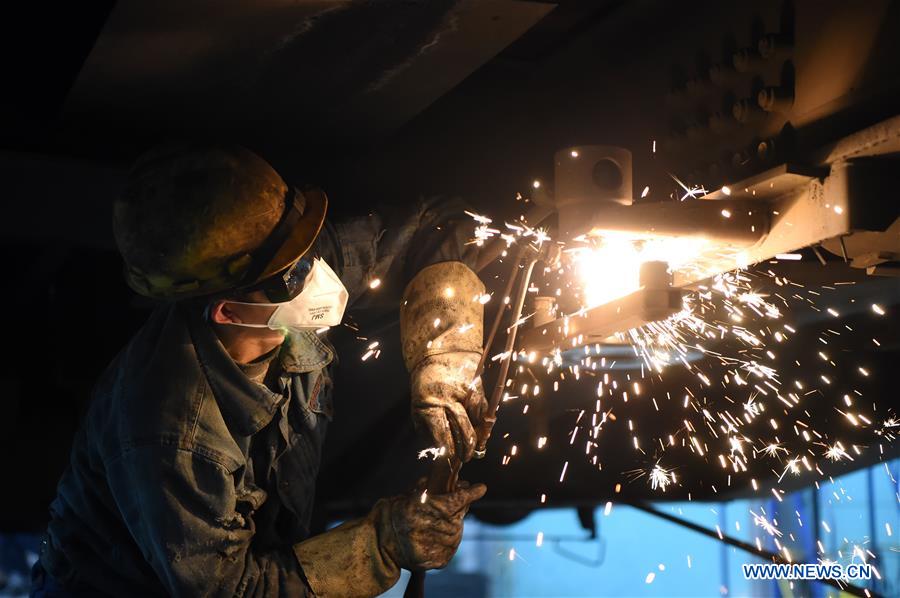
609	267
727	333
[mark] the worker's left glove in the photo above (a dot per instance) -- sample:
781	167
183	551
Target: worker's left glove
446	400
441	329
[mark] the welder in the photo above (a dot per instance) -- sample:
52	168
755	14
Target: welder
194	470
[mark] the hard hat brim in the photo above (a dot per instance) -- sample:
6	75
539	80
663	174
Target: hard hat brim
302	237
296	244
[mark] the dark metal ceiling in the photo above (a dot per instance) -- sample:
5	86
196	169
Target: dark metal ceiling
301	76
286	74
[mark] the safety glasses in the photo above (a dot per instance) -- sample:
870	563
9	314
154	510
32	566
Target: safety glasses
287	284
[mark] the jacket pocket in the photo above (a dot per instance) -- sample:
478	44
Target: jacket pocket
248	499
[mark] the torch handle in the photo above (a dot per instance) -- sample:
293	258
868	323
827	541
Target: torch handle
444	473
483	433
443	476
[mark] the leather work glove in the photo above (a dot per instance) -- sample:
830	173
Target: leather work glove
445	402
427	528
441	331
363	557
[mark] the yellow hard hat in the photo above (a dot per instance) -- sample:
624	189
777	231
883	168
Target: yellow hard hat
198	220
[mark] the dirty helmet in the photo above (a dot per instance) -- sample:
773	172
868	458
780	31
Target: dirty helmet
198	220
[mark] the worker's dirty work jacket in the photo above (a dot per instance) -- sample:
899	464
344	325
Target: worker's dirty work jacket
187	478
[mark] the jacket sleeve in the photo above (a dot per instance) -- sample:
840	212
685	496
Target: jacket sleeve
182	509
393	244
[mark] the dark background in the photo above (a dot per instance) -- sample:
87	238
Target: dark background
382	102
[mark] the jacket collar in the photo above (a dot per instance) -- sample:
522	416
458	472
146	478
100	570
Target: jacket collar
247	406
304	352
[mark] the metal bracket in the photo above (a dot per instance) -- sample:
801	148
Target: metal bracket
599	323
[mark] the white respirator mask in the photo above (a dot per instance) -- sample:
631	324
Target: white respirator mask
321	303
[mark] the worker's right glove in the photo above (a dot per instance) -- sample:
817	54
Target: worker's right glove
363	557
427	529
